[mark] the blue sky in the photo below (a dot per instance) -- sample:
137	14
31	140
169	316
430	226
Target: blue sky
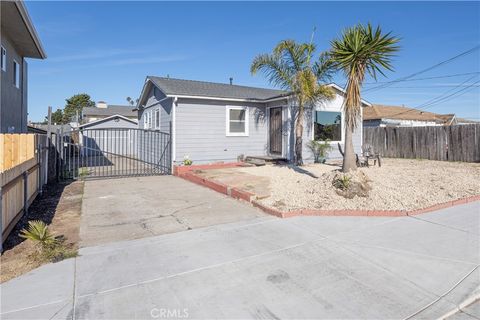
106	49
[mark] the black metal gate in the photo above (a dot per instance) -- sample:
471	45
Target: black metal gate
113	152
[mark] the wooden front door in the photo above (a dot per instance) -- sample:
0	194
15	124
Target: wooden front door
275	134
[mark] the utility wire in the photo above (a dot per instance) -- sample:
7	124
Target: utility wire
429	78
389	83
453	95
441	98
446	93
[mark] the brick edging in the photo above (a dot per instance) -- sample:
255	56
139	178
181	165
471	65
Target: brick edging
250	197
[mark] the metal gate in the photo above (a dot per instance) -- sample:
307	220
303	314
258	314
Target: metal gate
113	152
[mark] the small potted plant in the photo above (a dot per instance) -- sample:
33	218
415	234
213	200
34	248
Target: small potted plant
187	161
320	150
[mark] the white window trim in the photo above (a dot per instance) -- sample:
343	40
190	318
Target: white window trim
227	122
3	58
157	118
342	125
16	75
145	120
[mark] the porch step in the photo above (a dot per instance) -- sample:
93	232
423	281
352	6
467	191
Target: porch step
262	160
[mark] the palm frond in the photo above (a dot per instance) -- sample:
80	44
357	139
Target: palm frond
361	50
38	232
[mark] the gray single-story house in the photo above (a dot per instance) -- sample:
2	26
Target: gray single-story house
217	122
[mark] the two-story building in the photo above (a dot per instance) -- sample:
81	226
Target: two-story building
19	41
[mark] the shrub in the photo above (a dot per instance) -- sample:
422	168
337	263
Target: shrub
38	232
319	149
187	161
342	182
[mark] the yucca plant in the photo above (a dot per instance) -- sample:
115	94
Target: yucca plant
38	232
359	51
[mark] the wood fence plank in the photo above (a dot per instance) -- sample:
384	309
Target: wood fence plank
445	143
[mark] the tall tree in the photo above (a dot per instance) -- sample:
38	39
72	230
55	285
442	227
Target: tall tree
360	50
293	67
57	117
75	104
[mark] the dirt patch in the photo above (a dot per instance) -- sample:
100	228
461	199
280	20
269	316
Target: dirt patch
59	207
400	184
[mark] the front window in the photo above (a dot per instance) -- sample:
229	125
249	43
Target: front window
237	121
16	74
328	126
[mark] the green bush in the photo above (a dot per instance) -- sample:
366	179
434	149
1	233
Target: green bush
320	149
37	231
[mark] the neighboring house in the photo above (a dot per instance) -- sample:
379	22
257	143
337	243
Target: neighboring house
103	110
400	116
214	122
18	40
113	122
114	140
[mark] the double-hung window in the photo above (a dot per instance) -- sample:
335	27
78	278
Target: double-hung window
150	119
157	119
16	74
328	126
237	121
145	120
3	59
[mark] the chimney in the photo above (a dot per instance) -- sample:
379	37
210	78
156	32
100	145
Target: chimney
102	104
231	80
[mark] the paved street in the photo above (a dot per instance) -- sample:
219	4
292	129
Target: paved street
303	267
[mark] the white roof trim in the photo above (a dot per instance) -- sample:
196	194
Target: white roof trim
107	119
30	27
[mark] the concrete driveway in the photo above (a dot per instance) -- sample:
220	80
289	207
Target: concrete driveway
132	208
303	267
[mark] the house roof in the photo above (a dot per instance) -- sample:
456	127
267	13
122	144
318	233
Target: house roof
16	23
171	86
378	112
110	110
115	116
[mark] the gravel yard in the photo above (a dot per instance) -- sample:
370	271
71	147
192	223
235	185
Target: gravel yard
399	184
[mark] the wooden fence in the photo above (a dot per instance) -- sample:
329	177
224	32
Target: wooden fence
16	149
23	174
446	143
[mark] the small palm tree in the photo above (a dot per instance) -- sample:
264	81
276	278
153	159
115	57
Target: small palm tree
360	50
38	232
291	67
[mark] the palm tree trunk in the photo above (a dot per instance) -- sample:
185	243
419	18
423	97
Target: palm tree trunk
349	161
299	136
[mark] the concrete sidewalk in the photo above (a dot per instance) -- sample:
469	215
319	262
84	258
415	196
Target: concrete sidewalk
303	267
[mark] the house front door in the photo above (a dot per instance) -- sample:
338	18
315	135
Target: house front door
275	134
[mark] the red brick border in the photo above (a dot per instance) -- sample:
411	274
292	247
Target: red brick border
180	170
250	197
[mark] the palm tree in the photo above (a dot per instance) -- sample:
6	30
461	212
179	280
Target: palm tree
291	67
360	50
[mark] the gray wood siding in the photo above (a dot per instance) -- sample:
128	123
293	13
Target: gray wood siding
13	104
150	144
165	107
201	132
